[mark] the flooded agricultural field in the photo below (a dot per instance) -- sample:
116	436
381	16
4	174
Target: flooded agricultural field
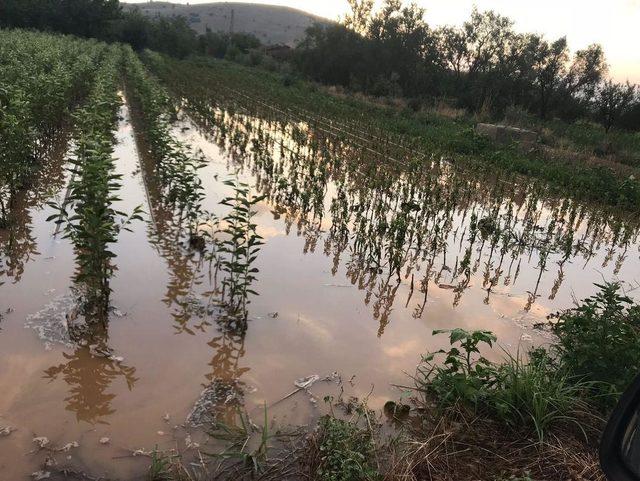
351	261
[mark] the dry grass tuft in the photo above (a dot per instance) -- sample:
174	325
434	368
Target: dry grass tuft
456	446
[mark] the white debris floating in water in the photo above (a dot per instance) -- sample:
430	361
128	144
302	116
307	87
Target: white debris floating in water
69	446
41	441
307	382
5	431
51	323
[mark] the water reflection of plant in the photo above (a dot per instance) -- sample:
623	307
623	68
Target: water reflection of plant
403	220
18	245
89	377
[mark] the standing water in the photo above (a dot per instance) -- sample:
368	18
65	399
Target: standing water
360	263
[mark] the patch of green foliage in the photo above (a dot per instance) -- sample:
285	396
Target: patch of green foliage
595	358
160	467
600	339
589	136
535	394
42	78
440	136
237	438
465	374
346	451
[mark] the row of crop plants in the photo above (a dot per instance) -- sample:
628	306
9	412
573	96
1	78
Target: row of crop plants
176	165
60	89
43	78
398	133
230	243
87	212
57	88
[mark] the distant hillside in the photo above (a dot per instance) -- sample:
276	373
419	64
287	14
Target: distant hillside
271	24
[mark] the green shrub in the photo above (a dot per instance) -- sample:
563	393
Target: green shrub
600	339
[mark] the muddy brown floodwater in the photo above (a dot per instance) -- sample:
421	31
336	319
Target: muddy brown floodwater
328	300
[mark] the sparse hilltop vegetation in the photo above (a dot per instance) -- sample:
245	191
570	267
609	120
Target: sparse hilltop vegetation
270	24
236	260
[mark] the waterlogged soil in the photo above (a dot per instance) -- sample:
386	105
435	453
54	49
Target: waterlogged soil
330	302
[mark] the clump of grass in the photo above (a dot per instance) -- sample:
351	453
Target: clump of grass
537	393
160	467
343	448
246	457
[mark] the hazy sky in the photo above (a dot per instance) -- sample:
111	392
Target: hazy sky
613	23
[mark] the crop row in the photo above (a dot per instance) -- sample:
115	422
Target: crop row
212	85
402	134
175	163
42	79
88	215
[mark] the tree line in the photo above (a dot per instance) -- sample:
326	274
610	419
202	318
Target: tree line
107	20
484	64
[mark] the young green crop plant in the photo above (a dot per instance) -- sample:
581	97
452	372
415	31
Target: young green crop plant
238	249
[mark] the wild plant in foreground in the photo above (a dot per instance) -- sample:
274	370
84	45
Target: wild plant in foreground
536	393
464	375
346	451
599	340
237	438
